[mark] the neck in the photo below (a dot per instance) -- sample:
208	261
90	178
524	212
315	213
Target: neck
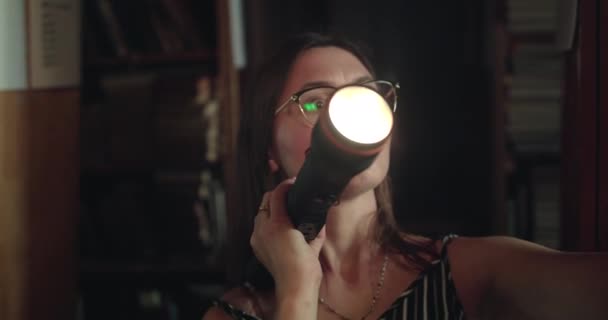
348	240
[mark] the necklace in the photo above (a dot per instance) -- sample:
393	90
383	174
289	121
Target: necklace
374	297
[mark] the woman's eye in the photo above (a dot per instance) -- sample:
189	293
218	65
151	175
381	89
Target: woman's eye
312	106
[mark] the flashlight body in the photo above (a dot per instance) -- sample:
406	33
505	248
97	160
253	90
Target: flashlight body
332	160
325	173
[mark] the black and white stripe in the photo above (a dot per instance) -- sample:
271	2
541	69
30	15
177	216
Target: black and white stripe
430	297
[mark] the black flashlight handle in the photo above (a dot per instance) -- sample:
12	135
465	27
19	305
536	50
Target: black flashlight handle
325	173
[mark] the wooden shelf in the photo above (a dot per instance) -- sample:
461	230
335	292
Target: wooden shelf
534	37
154	61
144	145
539	159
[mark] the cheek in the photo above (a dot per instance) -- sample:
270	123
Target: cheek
291	142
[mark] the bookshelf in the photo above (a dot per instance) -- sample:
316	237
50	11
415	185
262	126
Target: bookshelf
534	112
159	99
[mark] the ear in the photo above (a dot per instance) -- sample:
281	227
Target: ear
273	164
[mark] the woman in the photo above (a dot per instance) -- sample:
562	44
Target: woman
361	266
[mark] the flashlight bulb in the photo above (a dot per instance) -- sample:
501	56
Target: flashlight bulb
360	114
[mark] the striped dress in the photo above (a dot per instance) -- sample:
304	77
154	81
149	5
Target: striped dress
432	296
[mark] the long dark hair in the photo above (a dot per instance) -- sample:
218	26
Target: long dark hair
254	142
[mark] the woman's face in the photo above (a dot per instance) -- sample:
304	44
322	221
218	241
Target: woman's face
291	136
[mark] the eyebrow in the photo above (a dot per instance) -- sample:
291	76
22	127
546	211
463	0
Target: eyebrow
313	84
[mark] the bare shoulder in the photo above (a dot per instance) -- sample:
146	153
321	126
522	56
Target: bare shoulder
519	277
474	261
479	251
240	298
468	273
488	253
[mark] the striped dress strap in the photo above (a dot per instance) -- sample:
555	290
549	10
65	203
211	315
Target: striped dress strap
444	247
432	296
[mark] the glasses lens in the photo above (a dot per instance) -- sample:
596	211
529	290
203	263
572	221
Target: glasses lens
386	90
313	101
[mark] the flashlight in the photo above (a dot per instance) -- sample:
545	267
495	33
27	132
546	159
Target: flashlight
346	139
348	136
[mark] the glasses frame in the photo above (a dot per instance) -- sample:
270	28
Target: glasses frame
296	96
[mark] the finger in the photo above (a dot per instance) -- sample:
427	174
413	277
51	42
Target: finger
317	243
264	209
265	203
259	225
278	198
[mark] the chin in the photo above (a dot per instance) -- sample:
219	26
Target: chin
369	179
362	183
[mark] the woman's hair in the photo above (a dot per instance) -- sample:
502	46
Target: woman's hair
254	143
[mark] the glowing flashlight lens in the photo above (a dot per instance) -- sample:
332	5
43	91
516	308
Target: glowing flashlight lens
361	114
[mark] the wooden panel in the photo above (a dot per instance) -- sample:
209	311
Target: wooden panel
603	127
38	203
12	243
568	183
228	91
580	133
499	218
587	126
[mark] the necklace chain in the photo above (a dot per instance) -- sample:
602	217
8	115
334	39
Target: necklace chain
374	297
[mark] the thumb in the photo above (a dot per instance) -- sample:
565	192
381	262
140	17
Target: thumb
317	243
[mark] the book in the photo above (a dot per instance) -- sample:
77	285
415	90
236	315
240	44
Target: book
113	29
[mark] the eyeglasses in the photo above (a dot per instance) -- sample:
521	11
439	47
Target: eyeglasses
311	101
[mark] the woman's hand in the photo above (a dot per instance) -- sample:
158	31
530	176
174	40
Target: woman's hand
293	262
